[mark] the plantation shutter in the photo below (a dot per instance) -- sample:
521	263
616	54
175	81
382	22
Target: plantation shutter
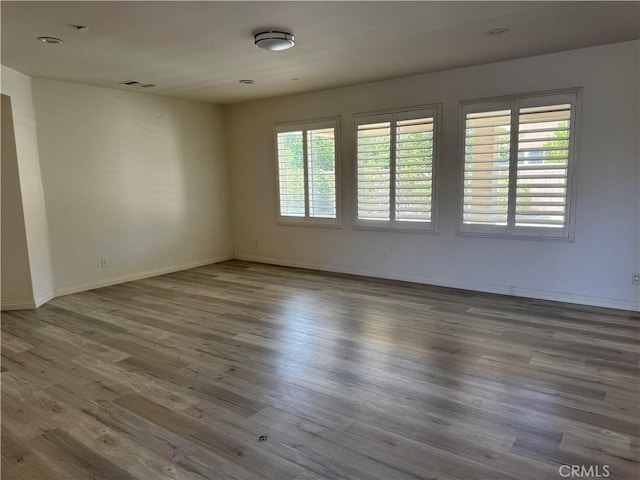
374	168
291	173
414	169
487	139
307	172
543	165
321	158
517	165
395	165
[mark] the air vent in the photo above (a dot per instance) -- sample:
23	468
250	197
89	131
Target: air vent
132	83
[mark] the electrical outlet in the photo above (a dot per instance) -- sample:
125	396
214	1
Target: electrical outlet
635	279
103	262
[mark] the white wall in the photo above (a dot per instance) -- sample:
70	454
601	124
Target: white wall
596	269
18	87
139	179
16	277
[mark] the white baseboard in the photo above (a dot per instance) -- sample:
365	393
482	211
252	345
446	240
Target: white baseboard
83	287
618	303
607	302
480	287
44	299
19	305
27	304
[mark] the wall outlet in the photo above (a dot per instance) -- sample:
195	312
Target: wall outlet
635	279
103	262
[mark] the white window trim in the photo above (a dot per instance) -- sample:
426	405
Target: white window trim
393	225
566	234
306	125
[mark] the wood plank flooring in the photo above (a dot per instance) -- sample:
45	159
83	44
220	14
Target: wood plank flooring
176	377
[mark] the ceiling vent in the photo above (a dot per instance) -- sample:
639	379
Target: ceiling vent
132	83
50	40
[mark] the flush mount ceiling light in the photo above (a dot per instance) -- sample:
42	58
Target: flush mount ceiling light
494	32
274	40
246	81
50	40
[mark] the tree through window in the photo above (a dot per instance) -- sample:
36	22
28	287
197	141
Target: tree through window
307	182
395	165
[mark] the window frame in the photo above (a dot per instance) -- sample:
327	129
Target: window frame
514	103
305	126
393	225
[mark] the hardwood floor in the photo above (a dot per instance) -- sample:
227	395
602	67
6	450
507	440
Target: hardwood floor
176	377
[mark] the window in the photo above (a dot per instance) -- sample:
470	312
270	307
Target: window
395	167
517	164
307	180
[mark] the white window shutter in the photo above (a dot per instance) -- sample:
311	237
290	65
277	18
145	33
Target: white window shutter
321	158
306	158
543	165
374	170
291	173
414	169
517	164
486	167
395	168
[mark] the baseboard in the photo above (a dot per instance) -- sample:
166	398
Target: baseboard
607	302
19	305
83	287
44	299
27	304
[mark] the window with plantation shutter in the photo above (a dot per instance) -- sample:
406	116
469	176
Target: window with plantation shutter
306	165
486	167
395	154
374	170
291	174
517	161
543	165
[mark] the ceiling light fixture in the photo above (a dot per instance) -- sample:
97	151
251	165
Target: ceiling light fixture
50	40
274	40
494	32
246	81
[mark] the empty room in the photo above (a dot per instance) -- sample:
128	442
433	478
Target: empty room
320	240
